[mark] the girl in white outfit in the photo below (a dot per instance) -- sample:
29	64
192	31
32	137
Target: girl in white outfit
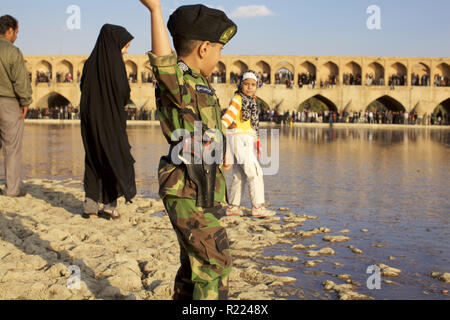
242	120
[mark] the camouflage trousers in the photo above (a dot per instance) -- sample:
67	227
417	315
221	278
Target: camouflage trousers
204	251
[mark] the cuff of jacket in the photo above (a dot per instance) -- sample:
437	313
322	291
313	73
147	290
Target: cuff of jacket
25	102
162	61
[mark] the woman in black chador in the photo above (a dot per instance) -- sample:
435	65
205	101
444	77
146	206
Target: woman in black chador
109	165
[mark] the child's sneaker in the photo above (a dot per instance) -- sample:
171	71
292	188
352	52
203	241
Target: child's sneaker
234	211
262	212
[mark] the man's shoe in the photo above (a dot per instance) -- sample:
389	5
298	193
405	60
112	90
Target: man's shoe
234	211
262	212
22	193
90	208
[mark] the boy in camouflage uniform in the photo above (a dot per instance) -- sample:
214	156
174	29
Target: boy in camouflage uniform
192	191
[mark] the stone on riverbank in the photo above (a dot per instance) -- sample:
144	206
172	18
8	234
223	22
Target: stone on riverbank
344	291
444	277
335	238
387	271
323	251
354	250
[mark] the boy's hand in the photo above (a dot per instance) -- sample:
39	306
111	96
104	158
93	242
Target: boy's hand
151	4
160	37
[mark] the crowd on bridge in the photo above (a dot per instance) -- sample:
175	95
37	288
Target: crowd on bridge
370	117
308	79
59	112
397	80
422	81
64	77
72	113
279	117
285	77
352	80
43	77
330	82
218	77
372	81
441	81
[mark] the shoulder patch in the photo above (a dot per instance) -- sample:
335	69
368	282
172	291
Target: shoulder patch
183	66
204	89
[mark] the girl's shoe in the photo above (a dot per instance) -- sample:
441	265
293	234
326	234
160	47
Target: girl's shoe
262	212
234	211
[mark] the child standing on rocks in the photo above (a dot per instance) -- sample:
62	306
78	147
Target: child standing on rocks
242	121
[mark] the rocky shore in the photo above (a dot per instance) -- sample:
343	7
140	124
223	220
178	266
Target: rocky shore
46	246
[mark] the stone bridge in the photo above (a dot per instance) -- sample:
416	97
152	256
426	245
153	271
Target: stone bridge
424	98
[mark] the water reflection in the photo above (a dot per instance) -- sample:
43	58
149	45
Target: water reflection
382	136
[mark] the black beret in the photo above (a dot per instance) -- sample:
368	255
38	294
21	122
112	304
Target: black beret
198	22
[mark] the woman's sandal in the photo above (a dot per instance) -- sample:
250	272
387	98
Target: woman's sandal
114	214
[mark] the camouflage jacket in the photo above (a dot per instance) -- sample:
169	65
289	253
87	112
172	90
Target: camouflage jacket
184	96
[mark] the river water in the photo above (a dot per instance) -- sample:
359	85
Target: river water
393	182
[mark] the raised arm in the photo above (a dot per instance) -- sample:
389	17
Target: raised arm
160	37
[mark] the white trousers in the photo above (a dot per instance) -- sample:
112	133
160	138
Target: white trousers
246	168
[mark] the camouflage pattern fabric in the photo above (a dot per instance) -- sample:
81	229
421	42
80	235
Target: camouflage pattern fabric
183	97
204	251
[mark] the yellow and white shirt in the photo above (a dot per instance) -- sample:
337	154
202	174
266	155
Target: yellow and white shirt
232	119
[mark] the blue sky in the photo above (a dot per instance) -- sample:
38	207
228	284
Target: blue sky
283	27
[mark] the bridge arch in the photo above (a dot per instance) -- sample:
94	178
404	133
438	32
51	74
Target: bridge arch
442	78
219	73
306	73
375	74
237	68
263	68
307	67
446	105
131	69
388	103
318	103
80	67
64	71
146	73
284	65
441	114
43	71
352	74
420	75
52	100
397	74
29	69
284	73
330	72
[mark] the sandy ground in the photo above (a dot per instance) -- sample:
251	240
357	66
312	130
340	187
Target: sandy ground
136	257
45	244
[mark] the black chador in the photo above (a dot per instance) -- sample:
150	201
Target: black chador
109	165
